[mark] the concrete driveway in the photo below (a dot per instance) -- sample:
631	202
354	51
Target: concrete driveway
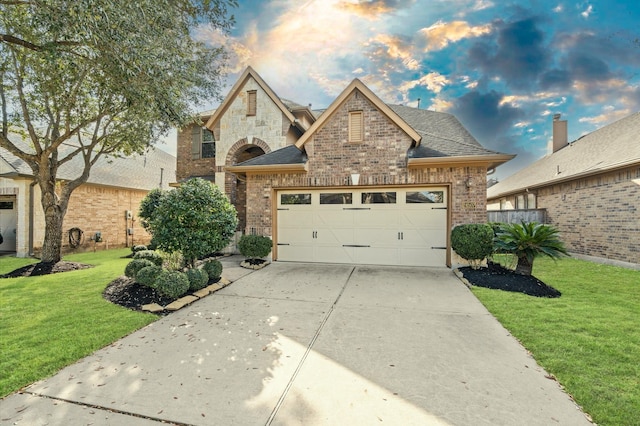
309	344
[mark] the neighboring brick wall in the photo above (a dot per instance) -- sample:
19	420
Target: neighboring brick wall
185	166
95	208
598	216
380	160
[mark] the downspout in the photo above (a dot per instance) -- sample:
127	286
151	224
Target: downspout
31	215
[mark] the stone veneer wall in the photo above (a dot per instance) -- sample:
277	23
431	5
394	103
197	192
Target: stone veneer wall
598	216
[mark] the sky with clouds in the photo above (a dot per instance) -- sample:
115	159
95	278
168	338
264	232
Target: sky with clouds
503	68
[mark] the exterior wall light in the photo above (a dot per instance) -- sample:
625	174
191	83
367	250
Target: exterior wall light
355	178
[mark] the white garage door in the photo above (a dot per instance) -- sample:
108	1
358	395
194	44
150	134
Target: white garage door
382	226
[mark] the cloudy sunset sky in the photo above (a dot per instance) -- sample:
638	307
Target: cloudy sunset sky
503	68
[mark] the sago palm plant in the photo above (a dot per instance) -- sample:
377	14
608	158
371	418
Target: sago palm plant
527	241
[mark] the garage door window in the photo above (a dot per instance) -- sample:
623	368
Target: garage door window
336	198
378	198
6	205
418	197
288	199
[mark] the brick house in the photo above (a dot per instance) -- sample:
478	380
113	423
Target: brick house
361	182
108	203
590	189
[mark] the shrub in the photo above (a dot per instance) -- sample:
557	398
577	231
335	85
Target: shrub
213	268
172	261
147	275
172	284
195	219
473	242
254	246
528	241
151	255
198	278
138	248
135	265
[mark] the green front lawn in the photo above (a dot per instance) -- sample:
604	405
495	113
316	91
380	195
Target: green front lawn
51	321
589	338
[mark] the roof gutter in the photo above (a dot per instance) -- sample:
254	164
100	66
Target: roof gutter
269	168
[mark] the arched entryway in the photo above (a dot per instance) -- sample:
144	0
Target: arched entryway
236	188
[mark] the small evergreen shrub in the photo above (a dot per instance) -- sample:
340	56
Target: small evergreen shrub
147	275
138	248
172	284
254	246
198	279
151	255
472	242
135	265
213	268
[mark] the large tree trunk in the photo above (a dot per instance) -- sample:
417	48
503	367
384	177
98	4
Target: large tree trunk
55	208
52	245
524	267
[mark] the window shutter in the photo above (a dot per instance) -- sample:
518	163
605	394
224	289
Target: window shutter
355	126
251	102
196	141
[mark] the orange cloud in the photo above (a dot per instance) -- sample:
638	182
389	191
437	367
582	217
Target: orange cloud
440	34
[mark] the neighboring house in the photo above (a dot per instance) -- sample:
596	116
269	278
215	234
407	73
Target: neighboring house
362	182
590	189
107	204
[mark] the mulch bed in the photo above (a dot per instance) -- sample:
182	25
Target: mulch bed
496	277
45	268
126	292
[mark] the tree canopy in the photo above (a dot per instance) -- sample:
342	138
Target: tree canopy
196	219
88	78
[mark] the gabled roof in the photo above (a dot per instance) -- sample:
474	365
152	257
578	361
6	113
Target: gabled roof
137	171
611	147
445	140
357	85
237	88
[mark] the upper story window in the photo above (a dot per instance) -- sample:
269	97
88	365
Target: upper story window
531	201
356	126
252	97
203	144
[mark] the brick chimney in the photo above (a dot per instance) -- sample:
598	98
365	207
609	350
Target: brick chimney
560	138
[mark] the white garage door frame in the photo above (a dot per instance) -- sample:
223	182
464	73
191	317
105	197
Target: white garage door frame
400	233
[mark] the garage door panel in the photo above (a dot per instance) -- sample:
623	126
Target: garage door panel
334	254
422	256
376	237
334	237
295	252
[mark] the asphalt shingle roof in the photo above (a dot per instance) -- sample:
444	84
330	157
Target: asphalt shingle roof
287	155
137	171
612	146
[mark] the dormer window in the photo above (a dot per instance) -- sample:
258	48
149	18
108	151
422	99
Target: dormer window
252	96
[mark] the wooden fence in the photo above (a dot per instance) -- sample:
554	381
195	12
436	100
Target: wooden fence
517	216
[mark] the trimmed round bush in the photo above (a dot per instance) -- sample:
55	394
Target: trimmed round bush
135	265
255	246
138	248
198	279
172	284
213	268
472	242
147	275
151	255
